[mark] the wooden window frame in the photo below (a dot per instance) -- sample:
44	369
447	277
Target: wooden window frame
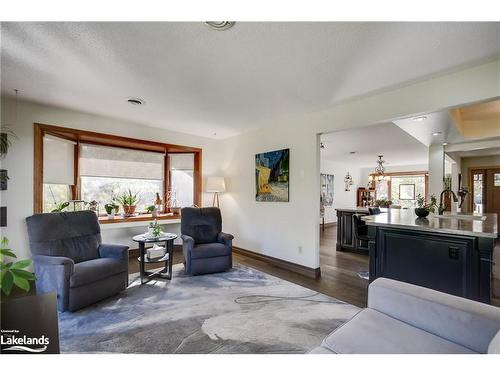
397	174
103	139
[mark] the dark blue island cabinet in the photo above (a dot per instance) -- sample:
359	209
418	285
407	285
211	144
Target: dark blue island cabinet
437	253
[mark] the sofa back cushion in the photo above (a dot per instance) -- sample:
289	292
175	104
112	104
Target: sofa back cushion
203	224
74	235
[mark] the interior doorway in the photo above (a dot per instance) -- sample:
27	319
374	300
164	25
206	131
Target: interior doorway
485	183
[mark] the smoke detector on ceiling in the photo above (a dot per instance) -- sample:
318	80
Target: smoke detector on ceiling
136	101
220	25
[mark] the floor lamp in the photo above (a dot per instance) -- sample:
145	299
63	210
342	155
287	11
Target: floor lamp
215	185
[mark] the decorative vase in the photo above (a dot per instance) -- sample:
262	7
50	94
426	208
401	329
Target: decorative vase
111	216
421	212
129	210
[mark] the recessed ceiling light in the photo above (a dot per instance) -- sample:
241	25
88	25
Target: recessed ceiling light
436	133
352	152
220	25
420	118
136	101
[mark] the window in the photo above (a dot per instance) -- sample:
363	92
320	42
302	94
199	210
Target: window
478	191
405	189
181	178
54	195
107	172
78	165
58	171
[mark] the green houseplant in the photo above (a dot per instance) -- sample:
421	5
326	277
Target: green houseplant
13	273
60	207
111	209
129	202
423	209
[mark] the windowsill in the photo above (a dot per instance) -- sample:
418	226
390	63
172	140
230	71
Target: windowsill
140	217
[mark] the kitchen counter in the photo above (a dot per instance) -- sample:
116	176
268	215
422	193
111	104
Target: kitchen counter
441	252
406	219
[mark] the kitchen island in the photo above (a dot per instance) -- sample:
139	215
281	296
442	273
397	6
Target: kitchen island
346	239
449	253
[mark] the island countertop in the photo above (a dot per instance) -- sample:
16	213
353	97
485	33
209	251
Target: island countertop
406	219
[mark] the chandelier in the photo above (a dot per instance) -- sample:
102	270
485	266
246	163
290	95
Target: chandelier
380	169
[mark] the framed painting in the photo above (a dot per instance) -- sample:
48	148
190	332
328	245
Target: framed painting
407	191
272	176
326	189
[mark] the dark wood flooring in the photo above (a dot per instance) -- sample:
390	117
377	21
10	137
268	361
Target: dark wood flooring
339	278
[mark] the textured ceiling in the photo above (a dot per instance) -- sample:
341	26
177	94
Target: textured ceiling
200	81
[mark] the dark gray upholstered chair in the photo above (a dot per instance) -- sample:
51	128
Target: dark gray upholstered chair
206	249
70	259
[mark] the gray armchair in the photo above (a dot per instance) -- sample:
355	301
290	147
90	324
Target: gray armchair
205	247
70	259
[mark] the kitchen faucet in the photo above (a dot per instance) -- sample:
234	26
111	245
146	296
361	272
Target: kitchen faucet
441	208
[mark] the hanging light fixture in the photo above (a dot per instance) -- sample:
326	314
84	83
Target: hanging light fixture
380	169
348	182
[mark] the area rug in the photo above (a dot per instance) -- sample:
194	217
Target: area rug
239	311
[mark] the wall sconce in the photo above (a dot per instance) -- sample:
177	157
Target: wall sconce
348	182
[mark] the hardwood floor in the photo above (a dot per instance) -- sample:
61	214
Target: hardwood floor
339	270
339	277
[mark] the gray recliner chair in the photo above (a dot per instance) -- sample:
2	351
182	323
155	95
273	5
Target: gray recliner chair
70	259
205	247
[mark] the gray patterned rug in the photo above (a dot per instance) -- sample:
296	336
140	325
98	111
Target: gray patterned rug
240	311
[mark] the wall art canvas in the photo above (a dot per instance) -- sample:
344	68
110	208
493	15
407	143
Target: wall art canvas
272	176
326	198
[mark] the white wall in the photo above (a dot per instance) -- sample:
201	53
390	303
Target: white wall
341	198
19	161
278	229
284	230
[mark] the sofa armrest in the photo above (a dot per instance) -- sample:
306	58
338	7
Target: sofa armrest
187	241
53	275
113	251
45	260
468	323
225	238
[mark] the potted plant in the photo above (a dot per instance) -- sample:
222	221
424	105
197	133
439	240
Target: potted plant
111	209
129	202
60	207
153	210
423	209
14	273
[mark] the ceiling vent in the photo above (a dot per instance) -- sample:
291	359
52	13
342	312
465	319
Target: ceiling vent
136	101
220	25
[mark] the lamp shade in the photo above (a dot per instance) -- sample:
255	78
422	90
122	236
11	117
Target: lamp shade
215	185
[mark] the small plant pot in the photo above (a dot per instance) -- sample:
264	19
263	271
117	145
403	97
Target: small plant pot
421	212
111	216
128	210
154	213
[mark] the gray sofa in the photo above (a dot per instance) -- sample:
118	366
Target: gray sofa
205	247
70	259
403	318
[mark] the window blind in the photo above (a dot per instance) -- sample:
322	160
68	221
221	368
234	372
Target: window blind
58	160
183	162
104	161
